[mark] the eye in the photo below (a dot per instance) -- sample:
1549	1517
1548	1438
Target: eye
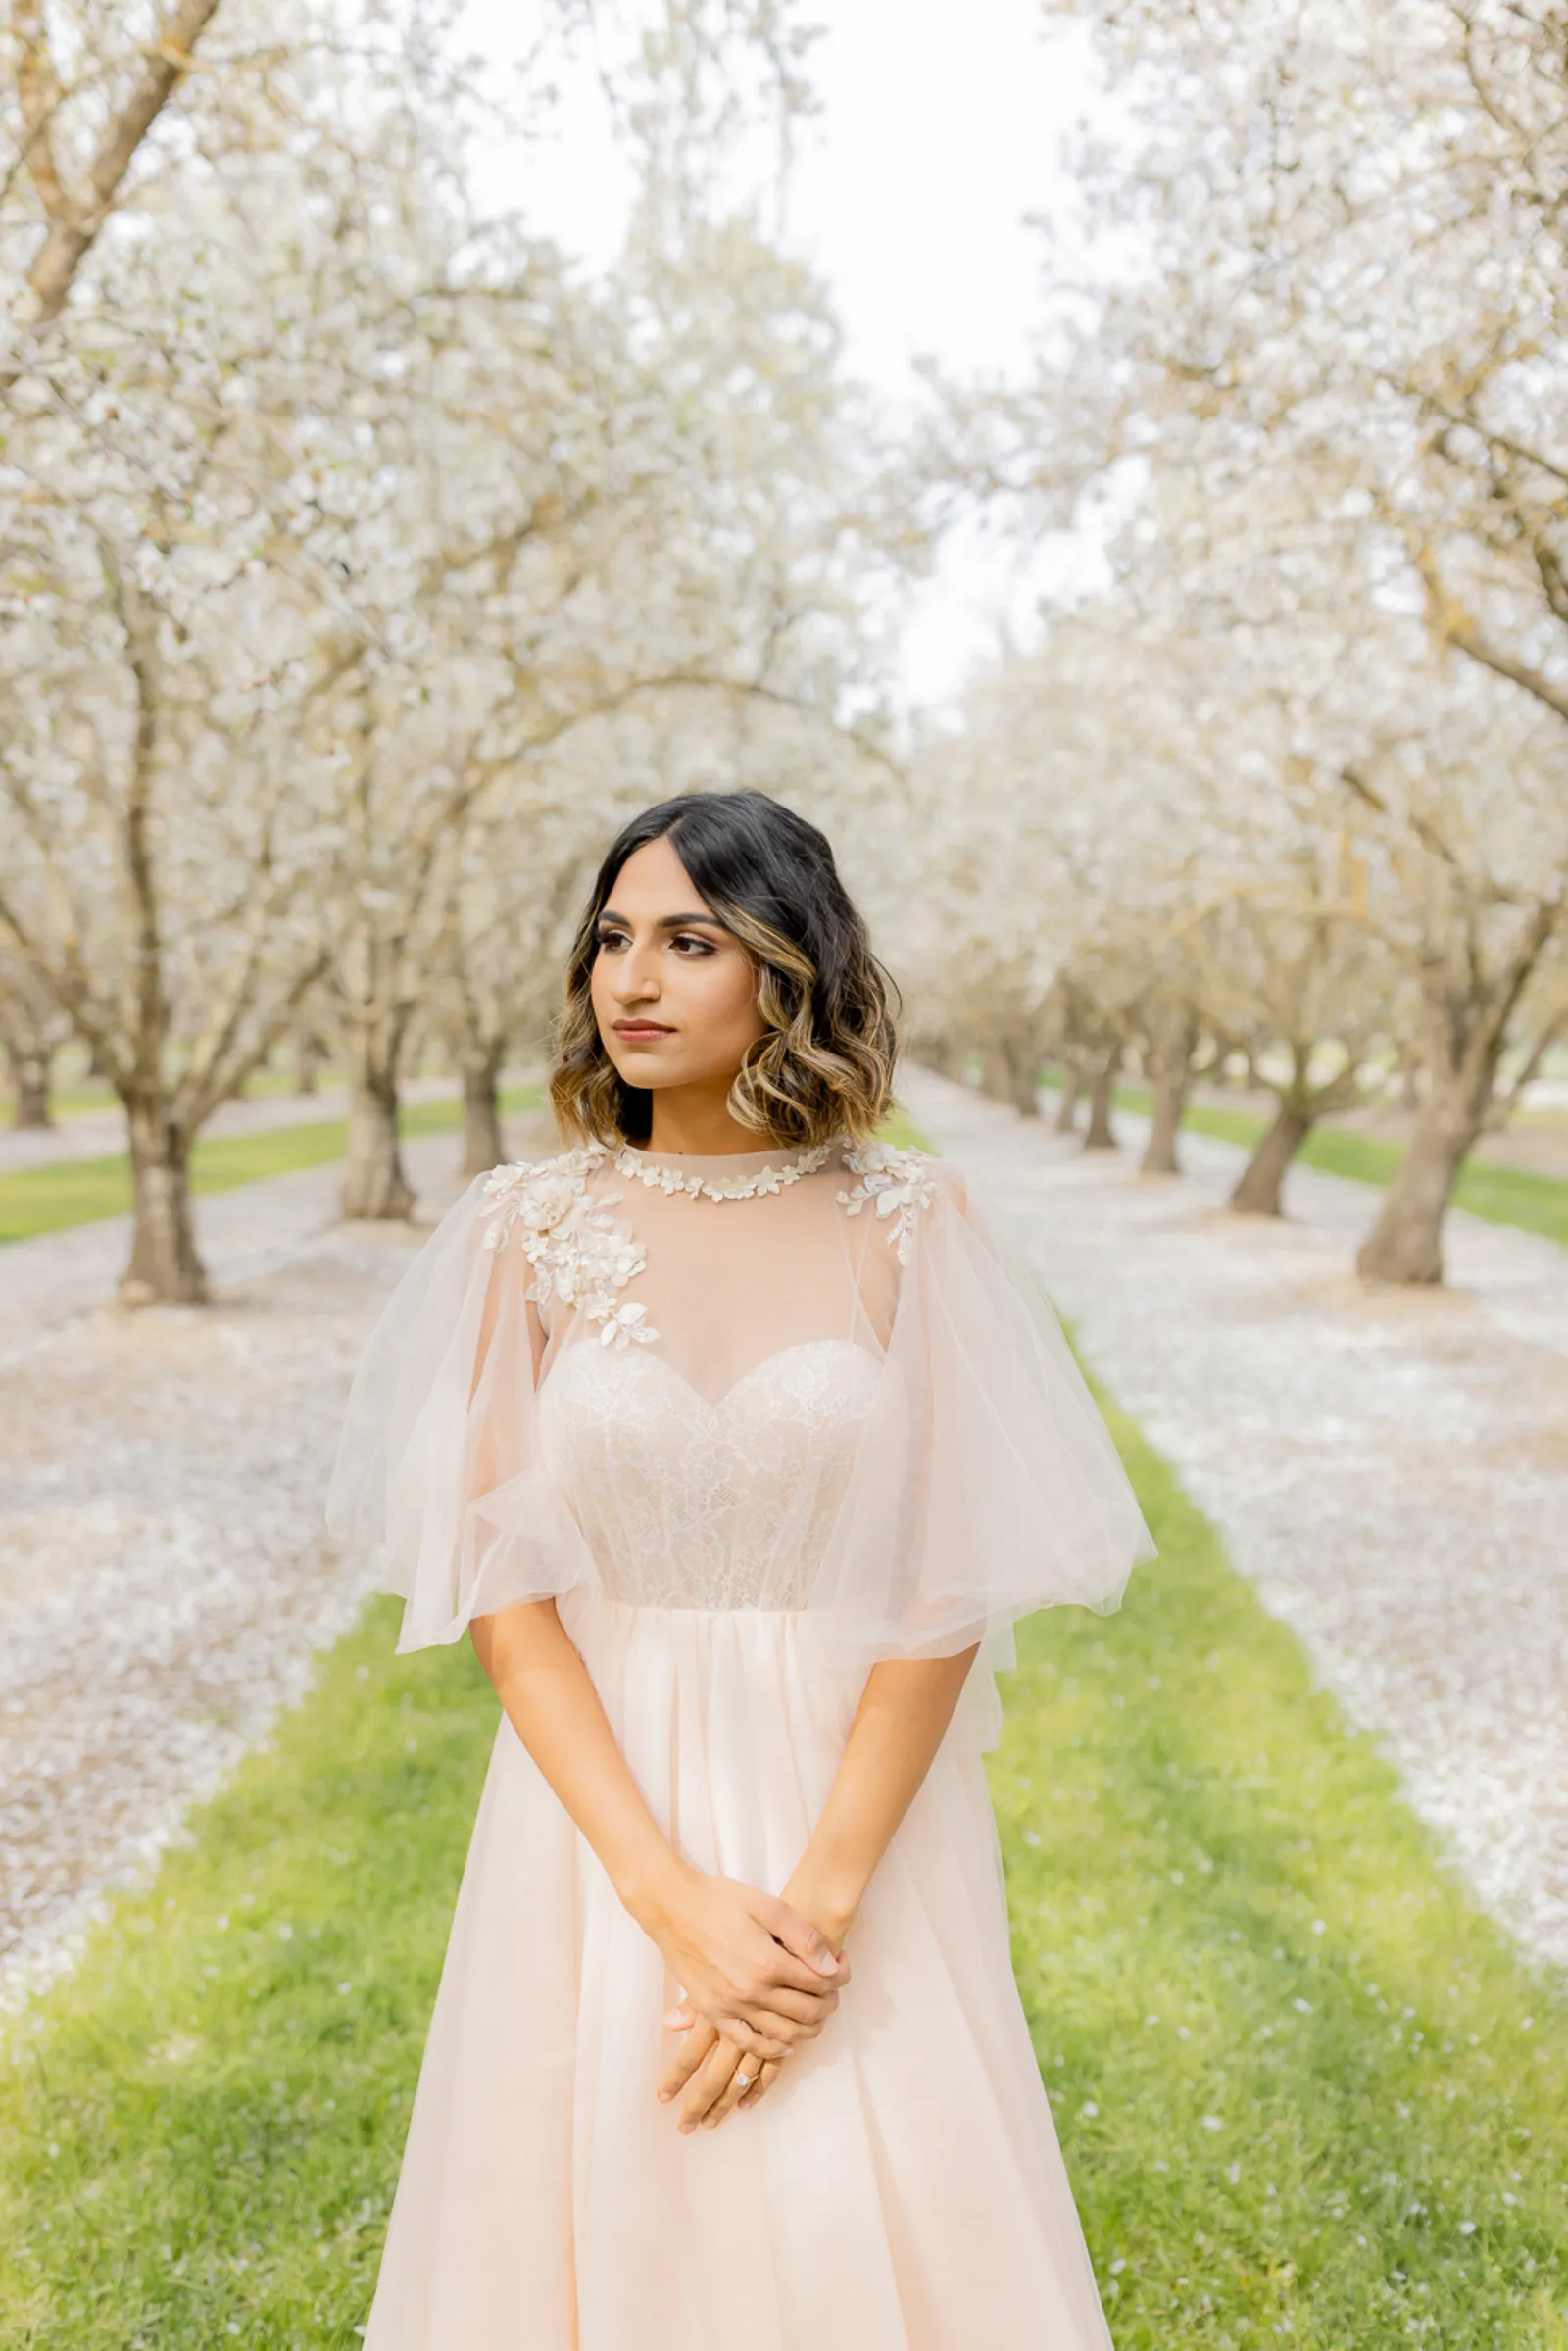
691	939
611	938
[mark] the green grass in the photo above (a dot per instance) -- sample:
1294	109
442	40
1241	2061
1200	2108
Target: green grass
73	1192
201	2129
1305	2087
91	1093
1221	1909
1516	1196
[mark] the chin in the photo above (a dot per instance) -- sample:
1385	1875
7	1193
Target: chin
645	1068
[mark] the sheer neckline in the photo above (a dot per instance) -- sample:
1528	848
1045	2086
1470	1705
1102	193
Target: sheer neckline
727	1174
719	1166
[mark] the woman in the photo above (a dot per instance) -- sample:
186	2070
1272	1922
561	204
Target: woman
730	1444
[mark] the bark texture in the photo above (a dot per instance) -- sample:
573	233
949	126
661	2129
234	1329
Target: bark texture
1169	1104
165	1268
483	1146
1406	1245
374	1185
1259	1187
1468	1018
1102	1135
30	1079
1024	1075
1071	1095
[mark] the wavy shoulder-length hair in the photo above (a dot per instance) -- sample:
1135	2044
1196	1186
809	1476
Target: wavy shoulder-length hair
824	1065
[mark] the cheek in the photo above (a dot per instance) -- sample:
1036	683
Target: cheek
730	997
602	998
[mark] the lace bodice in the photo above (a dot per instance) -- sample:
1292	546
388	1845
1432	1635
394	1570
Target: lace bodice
692	1504
741	1383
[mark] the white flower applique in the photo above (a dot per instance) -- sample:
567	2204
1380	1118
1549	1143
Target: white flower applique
897	1182
580	1254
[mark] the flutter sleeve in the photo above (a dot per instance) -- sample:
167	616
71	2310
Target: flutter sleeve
439	1478
986	1485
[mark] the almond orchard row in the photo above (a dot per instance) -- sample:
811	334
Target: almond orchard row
364	562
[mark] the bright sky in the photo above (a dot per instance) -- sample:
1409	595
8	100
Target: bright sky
940	129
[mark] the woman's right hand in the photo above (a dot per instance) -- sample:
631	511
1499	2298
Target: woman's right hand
760	1974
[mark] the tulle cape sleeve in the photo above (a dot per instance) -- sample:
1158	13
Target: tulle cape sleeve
986	1485
439	1478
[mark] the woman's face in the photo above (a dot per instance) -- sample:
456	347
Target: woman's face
674	993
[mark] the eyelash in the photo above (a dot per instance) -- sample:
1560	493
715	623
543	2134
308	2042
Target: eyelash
704	947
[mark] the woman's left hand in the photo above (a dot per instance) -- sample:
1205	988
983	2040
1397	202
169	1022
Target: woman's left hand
716	2076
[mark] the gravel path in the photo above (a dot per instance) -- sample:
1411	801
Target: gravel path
163	1577
1389	1468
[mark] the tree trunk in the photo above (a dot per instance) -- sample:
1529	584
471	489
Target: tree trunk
1024	1075
1258	1191
1170	1102
482	1144
1102	1135
1406	1245
308	1058
996	1078
30	1076
165	1269
374	1185
1072	1093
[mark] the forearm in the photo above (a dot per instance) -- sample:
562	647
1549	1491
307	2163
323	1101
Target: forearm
757	1970
905	1709
551	1703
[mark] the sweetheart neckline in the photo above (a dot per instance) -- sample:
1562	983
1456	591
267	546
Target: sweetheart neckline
801	1347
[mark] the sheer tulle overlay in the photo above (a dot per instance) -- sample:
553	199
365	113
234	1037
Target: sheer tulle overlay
749	1445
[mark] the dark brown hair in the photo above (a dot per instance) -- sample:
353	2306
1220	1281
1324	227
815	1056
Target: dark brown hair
824	1066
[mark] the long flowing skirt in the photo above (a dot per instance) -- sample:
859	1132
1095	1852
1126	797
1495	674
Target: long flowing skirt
899	2188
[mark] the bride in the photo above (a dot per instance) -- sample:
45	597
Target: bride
736	1448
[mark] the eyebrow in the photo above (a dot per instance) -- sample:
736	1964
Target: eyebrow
665	922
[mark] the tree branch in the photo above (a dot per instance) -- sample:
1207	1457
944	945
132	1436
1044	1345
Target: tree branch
75	220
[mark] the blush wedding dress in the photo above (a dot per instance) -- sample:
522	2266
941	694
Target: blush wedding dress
754	1422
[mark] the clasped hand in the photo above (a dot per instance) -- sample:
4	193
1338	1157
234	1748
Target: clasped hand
758	1980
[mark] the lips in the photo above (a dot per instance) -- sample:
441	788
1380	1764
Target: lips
637	1031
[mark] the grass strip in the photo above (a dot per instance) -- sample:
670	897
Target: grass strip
91	1093
73	1192
1514	1196
1306	2090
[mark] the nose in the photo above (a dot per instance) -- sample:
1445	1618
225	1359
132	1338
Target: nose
636	973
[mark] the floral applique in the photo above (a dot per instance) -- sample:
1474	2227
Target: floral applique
897	1182
580	1254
